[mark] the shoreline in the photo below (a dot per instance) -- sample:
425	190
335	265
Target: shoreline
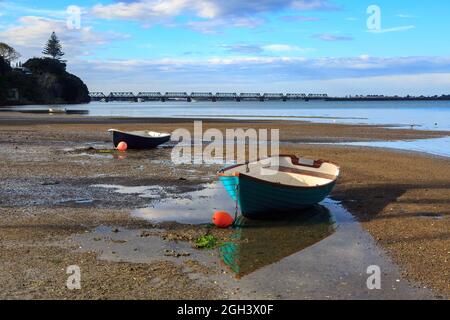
364	132
421	115
400	198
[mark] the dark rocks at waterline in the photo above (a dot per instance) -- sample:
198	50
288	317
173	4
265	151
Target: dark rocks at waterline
40	81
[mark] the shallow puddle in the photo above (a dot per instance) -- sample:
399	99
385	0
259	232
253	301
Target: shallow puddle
322	252
152	192
328	264
256	244
79	201
136	246
106	150
196	207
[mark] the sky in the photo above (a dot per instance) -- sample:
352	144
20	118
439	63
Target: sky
303	46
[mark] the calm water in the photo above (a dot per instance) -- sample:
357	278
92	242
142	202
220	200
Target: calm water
438	146
426	115
430	115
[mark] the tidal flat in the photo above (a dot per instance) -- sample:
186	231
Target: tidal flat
68	199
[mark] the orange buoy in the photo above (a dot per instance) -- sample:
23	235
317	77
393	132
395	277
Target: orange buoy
122	146
222	219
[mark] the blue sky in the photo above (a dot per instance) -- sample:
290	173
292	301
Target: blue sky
265	45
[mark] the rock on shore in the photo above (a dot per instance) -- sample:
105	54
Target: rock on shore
40	81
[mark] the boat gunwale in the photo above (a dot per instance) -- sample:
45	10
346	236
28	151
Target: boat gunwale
163	134
295	161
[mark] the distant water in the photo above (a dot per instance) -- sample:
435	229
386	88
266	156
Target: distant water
430	115
435	146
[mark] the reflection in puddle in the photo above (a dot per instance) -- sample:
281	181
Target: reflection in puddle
102	150
256	244
196	207
74	201
152	192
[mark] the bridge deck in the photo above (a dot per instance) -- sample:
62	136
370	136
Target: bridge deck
209	96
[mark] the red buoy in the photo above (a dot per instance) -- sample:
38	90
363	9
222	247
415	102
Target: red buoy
222	219
122	146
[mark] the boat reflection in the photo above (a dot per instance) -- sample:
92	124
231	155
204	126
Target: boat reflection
258	243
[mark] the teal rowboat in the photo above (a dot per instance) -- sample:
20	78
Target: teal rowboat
278	185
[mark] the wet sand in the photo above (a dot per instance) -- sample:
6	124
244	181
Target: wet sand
47	200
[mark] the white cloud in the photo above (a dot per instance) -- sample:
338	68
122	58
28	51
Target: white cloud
284	48
332	37
216	26
409	75
313	5
141	10
300	18
364	57
7	6
154	10
259	49
31	33
416	84
217	14
362	66
405	16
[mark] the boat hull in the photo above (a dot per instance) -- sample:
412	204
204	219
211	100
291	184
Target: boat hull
261	200
138	142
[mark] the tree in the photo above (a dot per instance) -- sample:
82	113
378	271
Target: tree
45	65
53	48
8	53
4	66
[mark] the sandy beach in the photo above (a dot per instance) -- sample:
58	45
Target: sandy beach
54	216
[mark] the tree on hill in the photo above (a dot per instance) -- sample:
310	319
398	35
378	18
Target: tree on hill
8	53
4	66
53	47
45	65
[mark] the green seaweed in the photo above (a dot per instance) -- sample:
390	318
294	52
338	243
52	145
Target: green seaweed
206	242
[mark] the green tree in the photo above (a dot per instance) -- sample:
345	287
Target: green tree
8	53
53	47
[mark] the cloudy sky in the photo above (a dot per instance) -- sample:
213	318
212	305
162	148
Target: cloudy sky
332	46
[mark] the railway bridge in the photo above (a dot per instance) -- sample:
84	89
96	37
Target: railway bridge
202	96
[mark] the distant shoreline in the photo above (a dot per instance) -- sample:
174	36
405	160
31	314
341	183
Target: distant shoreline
261	99
445	98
